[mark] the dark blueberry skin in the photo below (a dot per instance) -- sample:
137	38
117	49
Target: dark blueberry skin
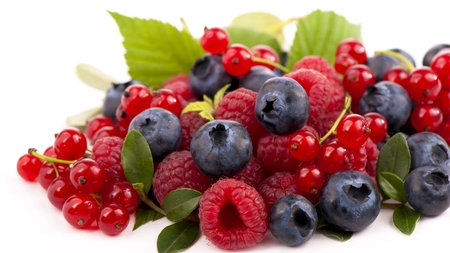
283	60
293	220
390	100
161	128
221	148
428	57
404	54
381	143
113	98
257	76
207	76
427	190
282	106
350	200
381	63
427	149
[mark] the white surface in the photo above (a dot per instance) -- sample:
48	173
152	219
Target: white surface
41	42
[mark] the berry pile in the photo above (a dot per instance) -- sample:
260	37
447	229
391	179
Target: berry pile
256	150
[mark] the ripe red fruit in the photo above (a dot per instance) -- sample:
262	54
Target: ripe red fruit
237	60
107	152
121	193
277	185
214	40
343	62
28	167
353	130
426	117
310	178
165	98
113	219
356	79
70	144
96	123
80	210
397	74
47	173
440	64
87	176
378	126
304	145
267	53
423	85
59	190
354	48
136	98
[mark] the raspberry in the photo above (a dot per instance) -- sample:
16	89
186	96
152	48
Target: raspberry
320	64
233	215
273	153
178	170
357	159
107	153
179	84
239	105
252	173
372	157
276	186
190	123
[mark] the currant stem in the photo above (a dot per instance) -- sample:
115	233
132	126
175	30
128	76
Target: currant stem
271	63
143	197
391	206
33	152
55	169
185	27
347	104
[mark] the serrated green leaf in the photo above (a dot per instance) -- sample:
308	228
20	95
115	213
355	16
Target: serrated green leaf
137	161
394	157
208	100
197	106
94	77
319	33
261	21
392	186
219	94
206	115
79	120
251	37
405	219
333	233
145	215
179	203
178	236
155	50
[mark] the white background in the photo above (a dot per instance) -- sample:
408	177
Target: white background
41	42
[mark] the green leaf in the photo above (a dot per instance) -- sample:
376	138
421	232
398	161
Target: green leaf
394	157
251	37
179	203
333	233
319	33
79	120
219	94
405	219
206	115
197	106
137	160
178	236
94	77
144	215
261	21
392	186
155	50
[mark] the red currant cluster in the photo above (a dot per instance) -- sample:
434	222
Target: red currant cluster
237	59
88	186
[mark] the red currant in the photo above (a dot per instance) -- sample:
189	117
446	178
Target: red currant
356	79
354	48
332	157
444	130
423	85
70	144
136	98
165	98
47	173
215	40
96	123
440	64
237	60
87	176
397	74
343	62
310	178
426	117
124	118
113	219
59	190
443	101
106	131
80	210
28	167
378	126
267	53
304	145
50	152
121	193
353	131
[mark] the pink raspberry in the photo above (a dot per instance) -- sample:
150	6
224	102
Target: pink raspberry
178	170
252	173
320	64
273	153
190	123
107	152
276	186
372	157
233	215
179	84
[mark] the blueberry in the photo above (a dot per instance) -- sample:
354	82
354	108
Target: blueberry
427	190
381	63
221	148
293	220
282	106
427	149
404	54
381	143
350	200
429	55
389	99
113	98
257	76
161	128
283	60
207	76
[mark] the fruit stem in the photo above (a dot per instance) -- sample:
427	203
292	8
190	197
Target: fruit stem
277	28
347	104
185	27
402	58
33	152
391	206
271	63
55	169
143	197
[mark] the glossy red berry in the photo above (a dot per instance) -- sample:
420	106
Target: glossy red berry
343	62
106	131
304	145
332	157
397	74
444	130
50	152
440	64
123	118
121	193
354	48
47	173
87	176
136	98
80	210
423	85
167	99
215	40
267	53
113	219
59	190
28	167
353	131
426	117
96	123
443	101
310	178
378	126
356	79
70	144
237	60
